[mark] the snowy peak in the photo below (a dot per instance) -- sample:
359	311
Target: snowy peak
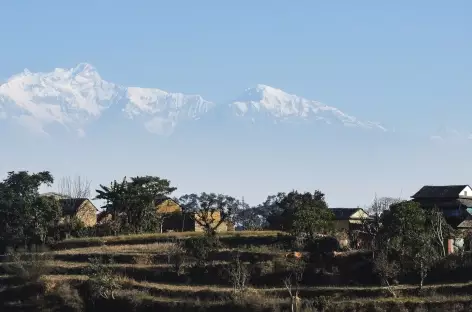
70	97
83	69
77	96
154	101
162	111
273	102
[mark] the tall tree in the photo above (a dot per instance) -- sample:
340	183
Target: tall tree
440	229
251	219
272	210
299	212
115	197
371	227
312	216
25	217
209	210
411	232
135	200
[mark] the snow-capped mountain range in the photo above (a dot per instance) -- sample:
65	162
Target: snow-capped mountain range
76	97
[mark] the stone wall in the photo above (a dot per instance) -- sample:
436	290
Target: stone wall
87	214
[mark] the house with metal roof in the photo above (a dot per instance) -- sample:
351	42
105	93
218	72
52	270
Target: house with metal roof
455	201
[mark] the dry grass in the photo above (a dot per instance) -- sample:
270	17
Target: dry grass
214	294
219	288
70	265
124	238
155	248
411	299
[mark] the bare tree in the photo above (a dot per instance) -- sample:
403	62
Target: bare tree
387	270
71	191
238	275
292	283
371	227
440	229
77	187
176	255
380	204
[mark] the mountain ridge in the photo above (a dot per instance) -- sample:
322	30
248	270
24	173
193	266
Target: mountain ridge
78	96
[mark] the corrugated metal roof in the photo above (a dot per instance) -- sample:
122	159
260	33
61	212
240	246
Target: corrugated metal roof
439	191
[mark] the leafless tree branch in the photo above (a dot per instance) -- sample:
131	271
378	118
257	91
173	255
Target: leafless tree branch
77	187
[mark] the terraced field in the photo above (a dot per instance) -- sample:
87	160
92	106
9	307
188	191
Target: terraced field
147	280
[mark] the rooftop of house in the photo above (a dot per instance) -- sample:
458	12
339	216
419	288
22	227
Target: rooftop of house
439	191
71	205
344	213
55	195
159	200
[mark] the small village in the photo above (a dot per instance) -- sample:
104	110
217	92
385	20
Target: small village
454	201
291	252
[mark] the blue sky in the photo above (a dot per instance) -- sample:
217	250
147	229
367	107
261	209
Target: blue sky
406	64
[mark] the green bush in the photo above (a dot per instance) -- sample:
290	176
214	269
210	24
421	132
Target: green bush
103	282
201	247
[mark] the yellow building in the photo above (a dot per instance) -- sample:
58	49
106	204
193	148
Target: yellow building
81	208
175	219
167	205
346	219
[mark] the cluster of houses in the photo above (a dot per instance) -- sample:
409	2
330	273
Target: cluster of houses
455	201
84	210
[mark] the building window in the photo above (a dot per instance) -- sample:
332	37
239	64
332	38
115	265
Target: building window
465	193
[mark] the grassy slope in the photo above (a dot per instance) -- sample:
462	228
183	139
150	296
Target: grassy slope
68	261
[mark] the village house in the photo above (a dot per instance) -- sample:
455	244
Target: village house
175	219
348	219
194	226
80	208
455	201
182	221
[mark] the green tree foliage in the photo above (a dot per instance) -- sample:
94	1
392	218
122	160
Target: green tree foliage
250	219
103	281
210	210
25	217
201	247
410	232
299	213
135	201
312	216
272	210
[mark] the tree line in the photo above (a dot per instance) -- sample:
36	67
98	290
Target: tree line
401	236
27	218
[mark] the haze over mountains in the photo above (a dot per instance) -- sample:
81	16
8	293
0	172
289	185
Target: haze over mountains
77	98
261	142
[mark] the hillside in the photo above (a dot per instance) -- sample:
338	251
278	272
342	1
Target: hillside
146	274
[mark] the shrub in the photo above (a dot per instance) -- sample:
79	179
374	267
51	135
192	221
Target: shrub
27	267
62	297
321	303
201	247
176	256
253	300
146	259
260	269
103	281
323	245
238	275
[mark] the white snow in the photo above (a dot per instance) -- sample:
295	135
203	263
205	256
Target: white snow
77	96
282	106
